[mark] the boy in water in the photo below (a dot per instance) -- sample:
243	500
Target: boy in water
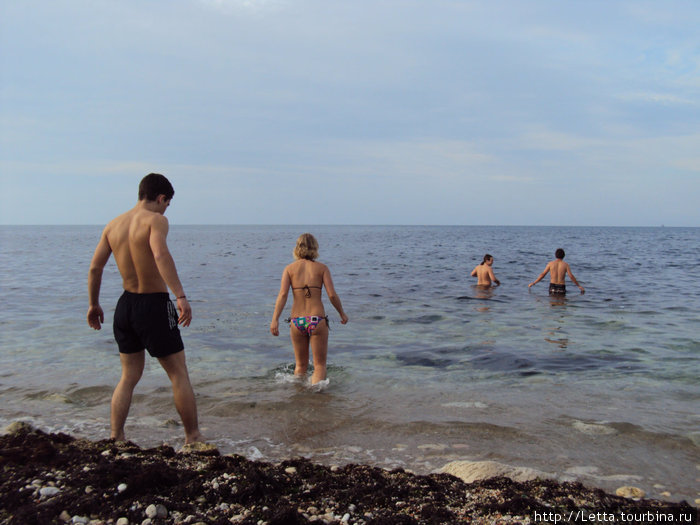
145	318
558	271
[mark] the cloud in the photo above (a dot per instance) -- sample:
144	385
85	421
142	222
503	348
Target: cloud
665	99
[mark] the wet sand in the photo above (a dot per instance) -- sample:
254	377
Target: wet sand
56	478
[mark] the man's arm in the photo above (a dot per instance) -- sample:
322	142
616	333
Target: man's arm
545	272
573	279
95	315
166	267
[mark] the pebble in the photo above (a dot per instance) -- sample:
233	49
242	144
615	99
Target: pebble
123	521
156	511
121	487
630	492
47	492
147	521
64	516
291	470
345	518
80	519
89	490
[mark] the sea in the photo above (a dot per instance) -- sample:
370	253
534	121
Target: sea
601	388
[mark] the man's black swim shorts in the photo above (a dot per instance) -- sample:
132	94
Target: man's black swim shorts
147	321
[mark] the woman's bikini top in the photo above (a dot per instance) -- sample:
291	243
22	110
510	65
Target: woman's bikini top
306	287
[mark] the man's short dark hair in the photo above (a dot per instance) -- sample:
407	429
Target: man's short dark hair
559	254
155	184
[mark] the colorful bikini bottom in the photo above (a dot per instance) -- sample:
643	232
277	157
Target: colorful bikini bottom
306	325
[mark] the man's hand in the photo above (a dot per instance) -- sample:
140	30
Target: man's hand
95	317
185	311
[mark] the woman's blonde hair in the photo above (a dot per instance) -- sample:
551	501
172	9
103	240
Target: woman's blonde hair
307	247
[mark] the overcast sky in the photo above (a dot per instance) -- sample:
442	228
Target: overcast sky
519	112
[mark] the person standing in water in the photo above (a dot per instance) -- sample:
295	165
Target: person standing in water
558	271
309	323
145	318
484	272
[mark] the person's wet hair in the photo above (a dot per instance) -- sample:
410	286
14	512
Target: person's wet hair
487	258
155	184
559	254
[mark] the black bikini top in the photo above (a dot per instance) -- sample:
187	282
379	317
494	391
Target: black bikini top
306	287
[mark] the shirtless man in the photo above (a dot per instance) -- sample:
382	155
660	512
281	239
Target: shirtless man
558	271
145	318
484	273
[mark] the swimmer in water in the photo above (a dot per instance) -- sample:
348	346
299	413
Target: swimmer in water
484	272
558	271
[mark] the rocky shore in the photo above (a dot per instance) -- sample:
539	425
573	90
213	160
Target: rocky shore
55	478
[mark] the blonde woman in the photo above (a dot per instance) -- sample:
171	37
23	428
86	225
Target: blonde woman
308	322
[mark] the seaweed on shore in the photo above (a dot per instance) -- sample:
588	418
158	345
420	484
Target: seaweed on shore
55	478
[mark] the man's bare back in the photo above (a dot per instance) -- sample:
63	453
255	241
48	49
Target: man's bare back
138	240
558	270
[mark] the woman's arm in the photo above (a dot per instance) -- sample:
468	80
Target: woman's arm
285	283
332	296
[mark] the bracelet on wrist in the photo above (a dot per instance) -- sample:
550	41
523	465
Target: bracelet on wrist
182	297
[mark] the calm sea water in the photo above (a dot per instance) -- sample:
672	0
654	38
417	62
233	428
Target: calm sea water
601	387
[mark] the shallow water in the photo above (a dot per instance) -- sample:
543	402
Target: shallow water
600	387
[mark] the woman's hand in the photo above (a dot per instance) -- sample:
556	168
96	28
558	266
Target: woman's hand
275	328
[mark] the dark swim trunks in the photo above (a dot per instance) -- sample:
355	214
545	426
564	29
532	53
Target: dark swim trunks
147	321
557	289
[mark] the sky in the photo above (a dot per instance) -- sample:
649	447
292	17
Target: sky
435	112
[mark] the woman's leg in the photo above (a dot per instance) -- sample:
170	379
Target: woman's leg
319	347
300	342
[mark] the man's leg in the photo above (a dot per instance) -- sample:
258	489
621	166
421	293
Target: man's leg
132	368
176	368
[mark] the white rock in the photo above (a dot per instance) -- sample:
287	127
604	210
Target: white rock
470	471
345	518
123	521
80	519
147	521
151	511
630	492
291	470
47	492
121	487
